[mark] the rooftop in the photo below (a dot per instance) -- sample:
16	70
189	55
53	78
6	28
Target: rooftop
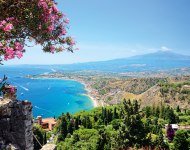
49	120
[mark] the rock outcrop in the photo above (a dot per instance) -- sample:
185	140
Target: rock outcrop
16	125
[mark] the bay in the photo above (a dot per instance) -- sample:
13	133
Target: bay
50	97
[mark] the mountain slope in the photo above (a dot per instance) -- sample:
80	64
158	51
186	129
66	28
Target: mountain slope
148	62
173	93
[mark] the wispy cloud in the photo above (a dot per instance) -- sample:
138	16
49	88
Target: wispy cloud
164	48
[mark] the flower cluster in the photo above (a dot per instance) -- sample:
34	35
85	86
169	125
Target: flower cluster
9	48
9	91
39	21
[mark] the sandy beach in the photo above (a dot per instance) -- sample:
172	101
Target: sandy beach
89	90
96	103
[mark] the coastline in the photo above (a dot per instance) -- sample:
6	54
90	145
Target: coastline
94	101
87	88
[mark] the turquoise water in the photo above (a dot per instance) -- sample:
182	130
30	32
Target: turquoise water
49	96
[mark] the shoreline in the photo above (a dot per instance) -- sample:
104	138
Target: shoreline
95	102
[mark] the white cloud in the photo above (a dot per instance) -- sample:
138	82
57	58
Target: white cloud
133	51
164	48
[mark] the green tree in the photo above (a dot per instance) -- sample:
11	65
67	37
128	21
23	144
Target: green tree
38	133
180	140
63	127
162	110
68	116
102	140
45	139
170	115
147	111
88	123
76	125
136	106
123	137
157	111
109	116
75	138
160	141
135	131
70	127
178	109
115	115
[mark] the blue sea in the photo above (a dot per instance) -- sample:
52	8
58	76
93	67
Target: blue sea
50	97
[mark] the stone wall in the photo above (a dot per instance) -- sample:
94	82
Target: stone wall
16	124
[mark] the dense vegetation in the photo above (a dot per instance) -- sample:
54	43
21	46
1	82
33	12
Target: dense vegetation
121	127
176	90
40	137
135	86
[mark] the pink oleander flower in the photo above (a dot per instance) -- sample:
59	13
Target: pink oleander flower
10	19
8	27
43	4
52	18
19	54
2	23
9	53
50	11
55	8
52	49
50	28
63	32
67	20
12	89
18	46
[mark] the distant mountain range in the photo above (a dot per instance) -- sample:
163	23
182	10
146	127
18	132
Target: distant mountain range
158	61
161	60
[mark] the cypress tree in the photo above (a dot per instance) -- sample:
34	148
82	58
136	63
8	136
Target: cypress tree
68	116
83	122
109	115
157	112
64	127
162	111
70	127
75	138
178	109
147	111
115	115
88	123
102	115
135	106
76	126
102	140
44	139
105	113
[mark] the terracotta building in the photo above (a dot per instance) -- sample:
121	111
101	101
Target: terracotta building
46	123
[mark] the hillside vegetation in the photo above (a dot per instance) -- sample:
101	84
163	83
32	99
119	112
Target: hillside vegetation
174	91
122	127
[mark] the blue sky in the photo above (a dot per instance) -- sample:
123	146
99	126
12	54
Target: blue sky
108	29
